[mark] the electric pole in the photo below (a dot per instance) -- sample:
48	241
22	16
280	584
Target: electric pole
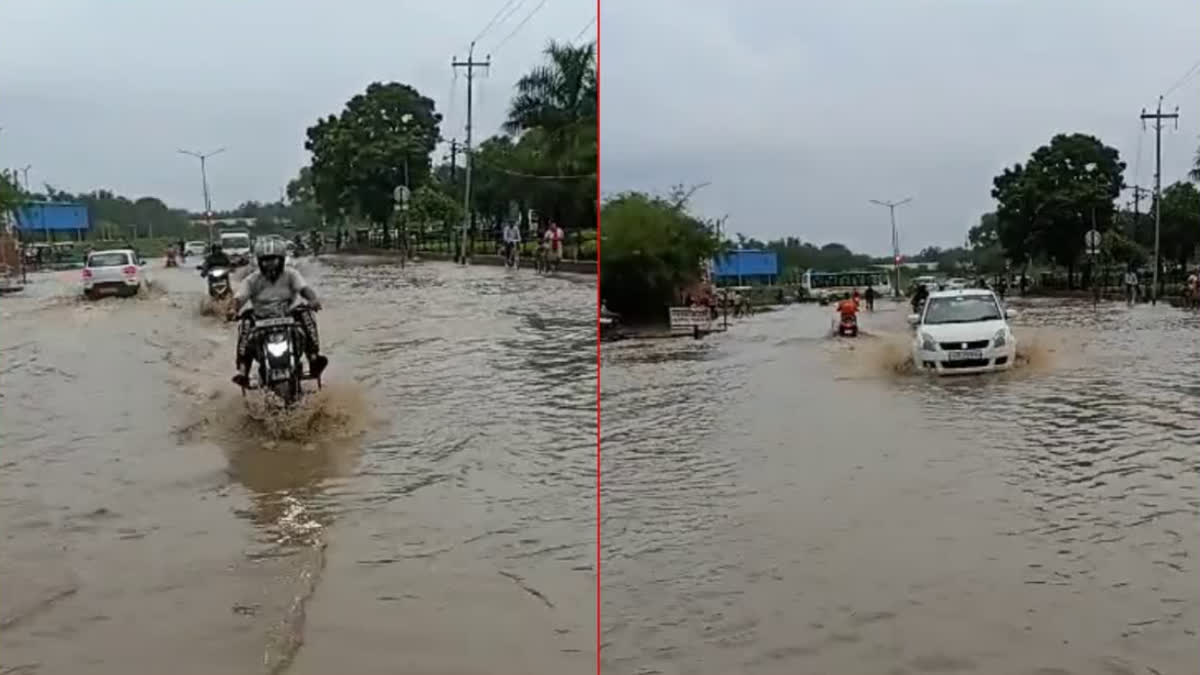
25	172
1158	116
453	159
204	183
895	239
470	64
1138	191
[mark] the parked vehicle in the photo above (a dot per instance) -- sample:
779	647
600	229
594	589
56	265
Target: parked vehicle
962	332
196	248
113	272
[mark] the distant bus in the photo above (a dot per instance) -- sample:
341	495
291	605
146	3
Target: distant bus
830	285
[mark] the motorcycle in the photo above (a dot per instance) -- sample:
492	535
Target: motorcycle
218	282
171	258
280	359
848	326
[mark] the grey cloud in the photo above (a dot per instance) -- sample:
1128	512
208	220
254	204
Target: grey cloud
800	112
101	94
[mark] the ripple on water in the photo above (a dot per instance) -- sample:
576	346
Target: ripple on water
776	489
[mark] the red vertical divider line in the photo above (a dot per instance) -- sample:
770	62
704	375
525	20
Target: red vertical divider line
599	105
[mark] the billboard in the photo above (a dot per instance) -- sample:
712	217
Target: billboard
746	263
52	217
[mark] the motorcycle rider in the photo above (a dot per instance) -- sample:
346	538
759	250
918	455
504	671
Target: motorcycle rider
848	309
273	290
216	258
919	298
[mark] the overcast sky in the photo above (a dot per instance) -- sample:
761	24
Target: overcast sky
799	112
101	93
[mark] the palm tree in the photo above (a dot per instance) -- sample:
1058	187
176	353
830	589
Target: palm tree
553	118
557	95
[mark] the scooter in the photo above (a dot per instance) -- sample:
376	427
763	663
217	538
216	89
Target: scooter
171	258
848	326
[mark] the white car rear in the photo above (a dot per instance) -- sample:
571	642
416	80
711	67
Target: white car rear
195	247
115	272
962	332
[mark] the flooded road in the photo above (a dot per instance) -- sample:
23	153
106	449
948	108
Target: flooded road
430	510
778	501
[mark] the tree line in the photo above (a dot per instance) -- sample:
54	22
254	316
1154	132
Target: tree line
543	160
1046	205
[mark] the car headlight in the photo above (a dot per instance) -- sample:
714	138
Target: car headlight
927	343
1000	339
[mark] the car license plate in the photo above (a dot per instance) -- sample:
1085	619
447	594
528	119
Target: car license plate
966	355
107	290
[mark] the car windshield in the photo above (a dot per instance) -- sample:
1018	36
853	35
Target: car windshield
115	259
962	309
235	242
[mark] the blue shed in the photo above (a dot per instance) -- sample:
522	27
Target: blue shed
746	264
50	217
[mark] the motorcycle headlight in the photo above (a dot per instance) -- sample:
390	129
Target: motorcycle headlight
928	344
1000	339
277	348
217	274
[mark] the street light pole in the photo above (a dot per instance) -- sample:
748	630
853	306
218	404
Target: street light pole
203	157
895	239
25	172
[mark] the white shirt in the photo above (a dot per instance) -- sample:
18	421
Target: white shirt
512	234
554	237
1131	278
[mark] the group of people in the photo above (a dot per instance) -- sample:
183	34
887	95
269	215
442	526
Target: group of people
550	244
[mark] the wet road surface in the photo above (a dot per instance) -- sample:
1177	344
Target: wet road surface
779	501
430	510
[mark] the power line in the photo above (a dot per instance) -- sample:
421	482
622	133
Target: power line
1186	76
493	21
519	26
590	23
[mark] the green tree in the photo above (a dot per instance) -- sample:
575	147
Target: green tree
11	195
553	118
383	138
652	248
1180	231
1046	206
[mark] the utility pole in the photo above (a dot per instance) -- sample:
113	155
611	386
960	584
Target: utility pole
895	240
470	64
204	183
1138	190
1158	116
453	159
25	172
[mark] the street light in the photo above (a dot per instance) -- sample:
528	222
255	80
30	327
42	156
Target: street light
895	239
203	157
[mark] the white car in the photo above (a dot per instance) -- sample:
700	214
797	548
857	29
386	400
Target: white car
963	332
115	272
197	248
954	284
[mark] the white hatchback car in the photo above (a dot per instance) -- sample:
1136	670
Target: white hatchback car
962	332
197	248
115	272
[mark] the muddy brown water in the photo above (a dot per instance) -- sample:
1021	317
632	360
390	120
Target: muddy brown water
429	511
779	501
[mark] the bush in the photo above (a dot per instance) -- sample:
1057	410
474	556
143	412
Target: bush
652	248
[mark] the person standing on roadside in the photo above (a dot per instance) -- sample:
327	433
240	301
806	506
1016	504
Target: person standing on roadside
1131	285
870	296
